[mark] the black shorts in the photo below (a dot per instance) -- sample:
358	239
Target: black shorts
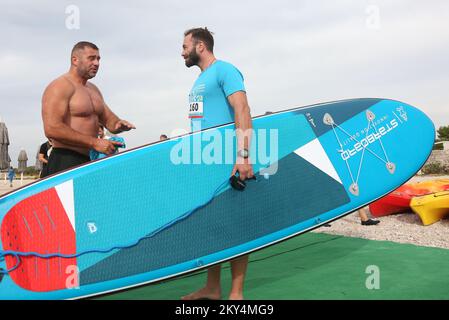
61	159
44	171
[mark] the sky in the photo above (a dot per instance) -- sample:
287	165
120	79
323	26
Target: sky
291	53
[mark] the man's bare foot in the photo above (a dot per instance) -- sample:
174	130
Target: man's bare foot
236	296
203	294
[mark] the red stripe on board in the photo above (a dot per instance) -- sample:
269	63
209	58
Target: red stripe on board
39	224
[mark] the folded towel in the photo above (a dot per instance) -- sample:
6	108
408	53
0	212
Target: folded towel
94	154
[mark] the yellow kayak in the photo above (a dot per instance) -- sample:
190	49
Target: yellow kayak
431	185
432	207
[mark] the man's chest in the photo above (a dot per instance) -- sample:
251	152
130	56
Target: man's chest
85	102
205	94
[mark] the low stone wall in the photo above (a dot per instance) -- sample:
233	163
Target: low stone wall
439	156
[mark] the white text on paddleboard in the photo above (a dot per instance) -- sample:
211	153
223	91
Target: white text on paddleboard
369	139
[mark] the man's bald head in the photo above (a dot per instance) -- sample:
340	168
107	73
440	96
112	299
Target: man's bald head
81	45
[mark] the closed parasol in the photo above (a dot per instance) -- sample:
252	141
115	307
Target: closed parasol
23	158
5	160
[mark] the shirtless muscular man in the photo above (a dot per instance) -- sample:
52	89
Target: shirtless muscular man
73	109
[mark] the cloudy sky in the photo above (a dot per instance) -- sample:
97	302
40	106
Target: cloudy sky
292	53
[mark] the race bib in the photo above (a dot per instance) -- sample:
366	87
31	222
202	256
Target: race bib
196	109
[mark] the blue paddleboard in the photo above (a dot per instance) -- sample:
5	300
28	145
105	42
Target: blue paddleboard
167	208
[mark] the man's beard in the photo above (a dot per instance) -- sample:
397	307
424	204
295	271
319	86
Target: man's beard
192	59
86	73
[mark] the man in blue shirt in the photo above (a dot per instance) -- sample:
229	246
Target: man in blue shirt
218	96
11	175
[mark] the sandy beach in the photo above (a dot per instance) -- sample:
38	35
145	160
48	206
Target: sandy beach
5	188
401	228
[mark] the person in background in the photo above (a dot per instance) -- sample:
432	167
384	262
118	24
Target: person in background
102	133
163	137
94	155
11	175
44	153
364	220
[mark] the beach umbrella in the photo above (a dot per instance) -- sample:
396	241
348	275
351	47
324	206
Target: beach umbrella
5	160
23	158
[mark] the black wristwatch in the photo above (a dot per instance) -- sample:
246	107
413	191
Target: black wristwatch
244	153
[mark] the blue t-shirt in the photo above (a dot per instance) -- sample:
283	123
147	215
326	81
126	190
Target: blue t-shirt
208	103
11	174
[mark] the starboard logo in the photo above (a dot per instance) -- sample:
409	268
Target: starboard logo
92	227
402	113
369	139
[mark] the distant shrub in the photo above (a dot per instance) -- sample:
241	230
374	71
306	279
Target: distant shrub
435	168
438	146
29	172
443	133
